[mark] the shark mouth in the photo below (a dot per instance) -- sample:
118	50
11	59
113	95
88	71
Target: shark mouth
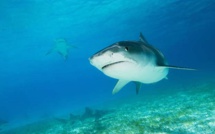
108	65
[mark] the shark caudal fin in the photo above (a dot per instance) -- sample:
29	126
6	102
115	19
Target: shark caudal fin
176	67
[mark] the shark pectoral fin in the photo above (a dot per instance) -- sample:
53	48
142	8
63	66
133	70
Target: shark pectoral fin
50	51
138	86
71	46
176	67
119	85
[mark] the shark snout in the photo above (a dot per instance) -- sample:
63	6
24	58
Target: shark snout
101	59
94	59
101	55
91	59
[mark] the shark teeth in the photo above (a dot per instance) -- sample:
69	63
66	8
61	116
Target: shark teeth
112	64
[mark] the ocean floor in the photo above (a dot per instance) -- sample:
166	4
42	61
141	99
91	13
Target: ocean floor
190	110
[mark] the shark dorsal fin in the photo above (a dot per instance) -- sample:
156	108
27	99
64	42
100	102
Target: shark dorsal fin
142	39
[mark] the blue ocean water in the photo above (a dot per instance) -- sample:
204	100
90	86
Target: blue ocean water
34	85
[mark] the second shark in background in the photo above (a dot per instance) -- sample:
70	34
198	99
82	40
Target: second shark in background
62	47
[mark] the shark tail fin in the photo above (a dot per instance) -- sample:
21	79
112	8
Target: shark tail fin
119	85
142	38
65	57
181	68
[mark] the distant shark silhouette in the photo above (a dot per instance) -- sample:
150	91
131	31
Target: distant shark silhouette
61	47
136	61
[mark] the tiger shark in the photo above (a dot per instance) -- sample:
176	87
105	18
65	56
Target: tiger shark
132	61
61	47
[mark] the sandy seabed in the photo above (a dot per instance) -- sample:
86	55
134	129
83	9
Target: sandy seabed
190	110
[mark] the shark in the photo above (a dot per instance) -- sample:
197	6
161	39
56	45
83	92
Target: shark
132	61
61	47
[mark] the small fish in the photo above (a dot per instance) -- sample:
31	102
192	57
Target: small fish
136	61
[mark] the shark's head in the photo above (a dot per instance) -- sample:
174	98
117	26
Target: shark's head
119	59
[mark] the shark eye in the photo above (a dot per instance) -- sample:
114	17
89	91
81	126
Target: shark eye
126	48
